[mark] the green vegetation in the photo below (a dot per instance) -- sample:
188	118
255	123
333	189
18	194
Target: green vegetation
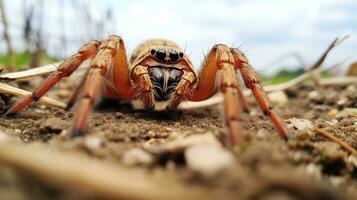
23	59
286	75
283	76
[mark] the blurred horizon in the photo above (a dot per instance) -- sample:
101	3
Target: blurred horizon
264	30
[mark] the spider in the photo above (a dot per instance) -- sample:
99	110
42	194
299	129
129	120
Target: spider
158	71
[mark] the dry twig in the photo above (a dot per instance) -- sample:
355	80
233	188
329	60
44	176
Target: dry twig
7	89
336	140
316	75
322	58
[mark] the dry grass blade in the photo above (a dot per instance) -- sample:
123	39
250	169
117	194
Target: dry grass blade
299	79
336	140
322	58
26	74
38	71
7	89
80	174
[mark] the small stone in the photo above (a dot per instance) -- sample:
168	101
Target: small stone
299	124
208	160
342	101
353	159
175	134
262	133
151	134
278	98
347	112
313	170
162	135
313	94
137	156
92	143
334	121
336	181
119	115
17	131
351	88
152	141
332	112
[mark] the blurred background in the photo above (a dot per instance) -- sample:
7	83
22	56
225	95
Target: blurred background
275	35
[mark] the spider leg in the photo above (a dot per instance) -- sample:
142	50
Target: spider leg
64	70
100	65
76	92
252	81
243	100
220	62
144	88
182	88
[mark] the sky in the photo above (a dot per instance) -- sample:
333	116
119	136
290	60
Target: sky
263	29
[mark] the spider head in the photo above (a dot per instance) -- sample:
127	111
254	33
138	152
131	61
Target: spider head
164	81
165	55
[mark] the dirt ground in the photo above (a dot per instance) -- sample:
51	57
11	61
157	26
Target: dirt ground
264	167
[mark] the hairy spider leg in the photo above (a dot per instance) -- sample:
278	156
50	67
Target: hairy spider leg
104	61
64	70
252	81
219	63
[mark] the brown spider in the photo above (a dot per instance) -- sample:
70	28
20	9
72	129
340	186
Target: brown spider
158	70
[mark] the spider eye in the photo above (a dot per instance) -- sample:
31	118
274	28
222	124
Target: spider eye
181	54
174	56
160	55
153	51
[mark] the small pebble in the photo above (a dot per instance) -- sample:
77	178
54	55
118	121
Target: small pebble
262	133
17	131
151	134
208	160
92	143
336	181
347	112
332	112
313	94
353	159
342	101
299	124
278	98
313	170
137	156
119	115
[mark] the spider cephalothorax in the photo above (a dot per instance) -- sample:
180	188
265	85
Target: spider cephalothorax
158	70
165	63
